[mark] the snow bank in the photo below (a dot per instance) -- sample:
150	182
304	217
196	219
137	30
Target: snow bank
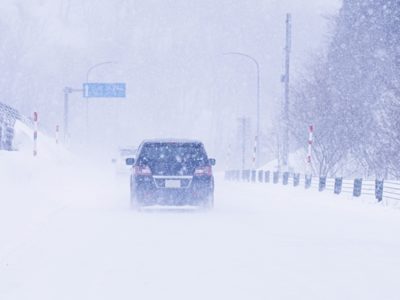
297	162
30	187
66	232
48	149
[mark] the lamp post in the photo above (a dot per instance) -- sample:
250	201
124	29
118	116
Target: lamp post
95	66
258	99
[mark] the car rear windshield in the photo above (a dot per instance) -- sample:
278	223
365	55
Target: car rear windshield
190	154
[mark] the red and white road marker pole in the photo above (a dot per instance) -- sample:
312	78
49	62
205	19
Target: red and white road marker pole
35	132
310	142
228	155
255	152
57	133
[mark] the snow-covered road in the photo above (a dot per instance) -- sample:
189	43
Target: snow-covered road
79	240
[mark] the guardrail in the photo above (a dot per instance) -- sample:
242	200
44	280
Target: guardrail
380	190
8	116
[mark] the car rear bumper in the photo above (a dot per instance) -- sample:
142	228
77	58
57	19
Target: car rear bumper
151	190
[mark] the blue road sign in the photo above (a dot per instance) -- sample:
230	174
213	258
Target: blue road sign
104	90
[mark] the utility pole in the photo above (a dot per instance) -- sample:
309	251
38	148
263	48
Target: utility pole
257	137
285	141
243	143
242	128
67	90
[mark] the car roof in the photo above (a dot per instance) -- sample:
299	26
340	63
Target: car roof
126	148
177	141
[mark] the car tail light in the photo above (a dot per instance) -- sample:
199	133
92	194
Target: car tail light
203	171
142	170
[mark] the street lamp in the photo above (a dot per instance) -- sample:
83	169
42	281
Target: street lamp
258	100
95	66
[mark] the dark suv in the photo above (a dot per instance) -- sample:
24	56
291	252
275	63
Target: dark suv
172	172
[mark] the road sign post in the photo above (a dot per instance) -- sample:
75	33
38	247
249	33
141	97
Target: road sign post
92	90
35	133
67	91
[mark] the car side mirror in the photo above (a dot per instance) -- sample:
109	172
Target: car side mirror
129	161
212	161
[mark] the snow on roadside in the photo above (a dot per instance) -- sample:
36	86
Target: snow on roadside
66	233
30	187
35	189
260	242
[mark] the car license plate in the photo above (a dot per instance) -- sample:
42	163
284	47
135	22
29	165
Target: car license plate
172	184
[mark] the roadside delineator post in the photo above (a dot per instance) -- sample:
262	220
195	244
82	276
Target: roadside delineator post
379	190
266	176
255	151
338	185
357	187
296	179
57	133
275	177
228	155
322	184
310	142
35	132
285	178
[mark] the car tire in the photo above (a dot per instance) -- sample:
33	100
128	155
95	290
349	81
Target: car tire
135	205
208	203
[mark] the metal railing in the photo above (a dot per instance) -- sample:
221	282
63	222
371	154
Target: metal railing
380	190
8	116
